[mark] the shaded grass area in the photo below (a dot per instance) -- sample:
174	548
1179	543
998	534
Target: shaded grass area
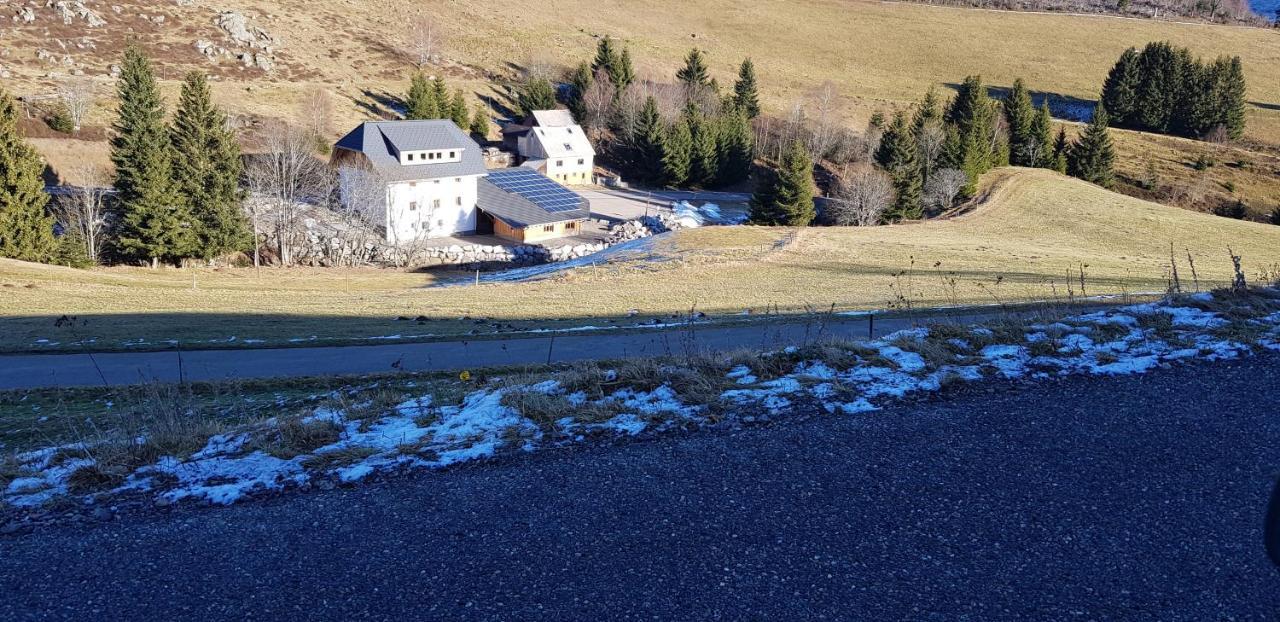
1035	236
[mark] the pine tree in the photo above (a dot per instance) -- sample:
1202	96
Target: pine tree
694	73
677	150
1092	157
745	96
480	124
537	94
650	136
1061	149
735	148
1120	90
1040	143
898	156
458	110
420	103
207	175
579	82
154	223
703	165
26	230
1019	114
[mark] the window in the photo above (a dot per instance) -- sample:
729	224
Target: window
548	228
413	206
435	203
459	200
431	156
451	154
568	129
569	226
436	181
568	147
411	157
582	161
559	163
457	180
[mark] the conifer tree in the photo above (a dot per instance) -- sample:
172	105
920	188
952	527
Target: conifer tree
1041	140
972	113
154	224
458	110
440	93
420	104
607	58
26	230
480	124
1092	157
694	73
207	175
898	156
745	96
650	136
735	148
703	165
625	73
1019	114
677	148
929	111
1232	98
579	82
537	94
1120	90
786	197
1061	149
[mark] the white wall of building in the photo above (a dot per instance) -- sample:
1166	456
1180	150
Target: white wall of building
431	208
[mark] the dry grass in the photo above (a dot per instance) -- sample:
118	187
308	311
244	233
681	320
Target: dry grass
1035	229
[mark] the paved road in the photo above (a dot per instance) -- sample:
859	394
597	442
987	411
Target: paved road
1092	499
29	371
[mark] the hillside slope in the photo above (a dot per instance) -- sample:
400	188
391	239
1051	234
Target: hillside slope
1031	237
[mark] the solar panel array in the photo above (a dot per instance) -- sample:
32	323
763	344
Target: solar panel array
537	188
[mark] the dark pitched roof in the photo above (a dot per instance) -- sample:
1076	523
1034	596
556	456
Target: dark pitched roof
381	141
514	196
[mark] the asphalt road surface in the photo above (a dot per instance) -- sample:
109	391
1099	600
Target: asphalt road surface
31	371
1135	498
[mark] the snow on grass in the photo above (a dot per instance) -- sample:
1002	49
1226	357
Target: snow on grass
419	432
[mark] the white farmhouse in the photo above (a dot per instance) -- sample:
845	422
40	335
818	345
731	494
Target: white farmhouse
552	144
427	179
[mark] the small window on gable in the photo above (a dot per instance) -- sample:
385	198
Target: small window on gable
413	206
451	154
411	157
569	129
559	162
431	156
459	200
568	147
581	161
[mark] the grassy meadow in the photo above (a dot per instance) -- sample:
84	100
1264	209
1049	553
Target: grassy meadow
1029	239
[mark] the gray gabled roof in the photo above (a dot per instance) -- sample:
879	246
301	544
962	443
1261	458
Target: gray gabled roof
519	211
381	141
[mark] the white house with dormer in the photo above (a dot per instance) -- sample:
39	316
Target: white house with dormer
552	144
427	179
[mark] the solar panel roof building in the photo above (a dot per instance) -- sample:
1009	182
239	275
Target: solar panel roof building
523	198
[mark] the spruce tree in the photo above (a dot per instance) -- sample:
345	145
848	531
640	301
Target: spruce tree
735	148
579	82
537	94
703	165
480	124
625	72
26	230
762	209
898	156
677	154
420	103
1232	98
607	58
1040	143
745	96
1092	157
458	110
694	73
650	137
929	111
1019	114
792	192
440	93
972	114
154	223
1061	149
207	175
1160	71
1120	90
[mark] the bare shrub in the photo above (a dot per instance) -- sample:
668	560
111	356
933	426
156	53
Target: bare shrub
943	187
81	211
862	194
286	174
424	41
77	97
598	103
